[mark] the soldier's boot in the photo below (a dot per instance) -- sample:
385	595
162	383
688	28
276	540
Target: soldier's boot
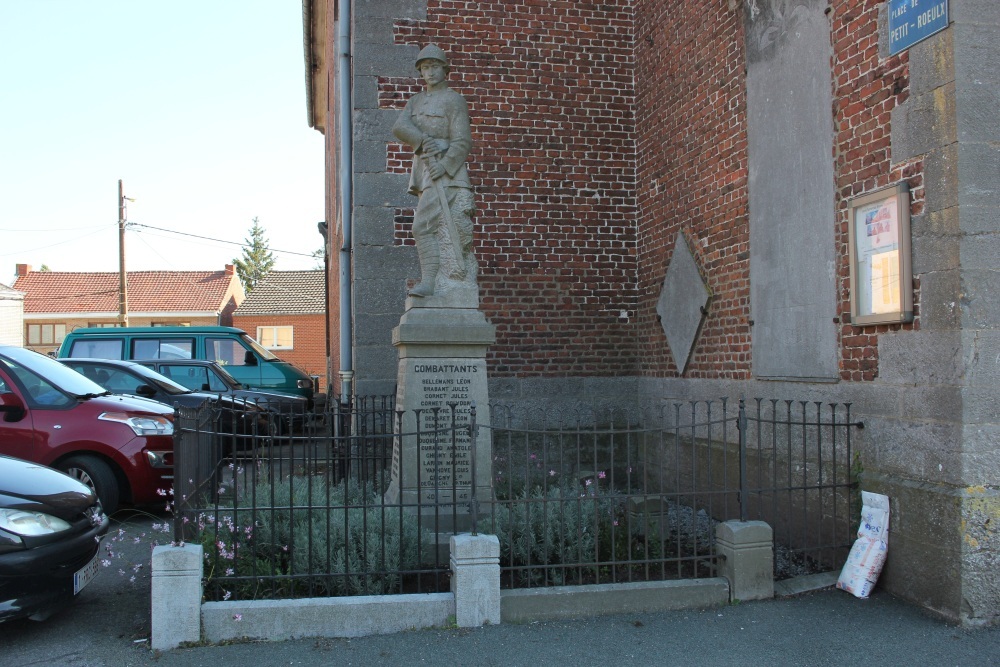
430	262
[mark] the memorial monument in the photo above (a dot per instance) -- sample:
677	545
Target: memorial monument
442	337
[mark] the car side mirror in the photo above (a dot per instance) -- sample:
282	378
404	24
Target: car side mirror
249	359
145	391
205	387
12	407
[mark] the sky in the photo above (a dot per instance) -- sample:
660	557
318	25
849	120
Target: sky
197	106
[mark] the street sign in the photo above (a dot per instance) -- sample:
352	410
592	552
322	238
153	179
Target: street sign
911	21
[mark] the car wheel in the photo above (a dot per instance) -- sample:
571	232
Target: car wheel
96	474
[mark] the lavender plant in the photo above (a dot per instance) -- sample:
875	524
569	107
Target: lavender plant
286	537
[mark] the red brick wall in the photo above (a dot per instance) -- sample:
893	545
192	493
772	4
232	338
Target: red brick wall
866	90
309	339
692	167
549	83
603	129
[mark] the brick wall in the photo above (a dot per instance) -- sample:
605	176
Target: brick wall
692	168
549	85
309	339
603	129
866	90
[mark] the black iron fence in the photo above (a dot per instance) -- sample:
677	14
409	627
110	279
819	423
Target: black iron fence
362	499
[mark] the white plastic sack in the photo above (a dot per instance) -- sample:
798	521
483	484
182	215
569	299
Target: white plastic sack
867	556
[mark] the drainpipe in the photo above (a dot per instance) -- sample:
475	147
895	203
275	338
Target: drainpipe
324	231
345	183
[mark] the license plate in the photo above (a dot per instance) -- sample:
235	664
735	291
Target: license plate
84	575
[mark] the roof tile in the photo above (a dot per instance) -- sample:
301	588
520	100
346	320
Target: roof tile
286	292
148	291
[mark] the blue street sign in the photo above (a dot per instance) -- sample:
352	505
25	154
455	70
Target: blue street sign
913	20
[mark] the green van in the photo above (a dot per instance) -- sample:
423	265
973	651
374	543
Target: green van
242	356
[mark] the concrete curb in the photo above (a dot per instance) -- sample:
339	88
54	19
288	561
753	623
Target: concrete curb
564	602
276	620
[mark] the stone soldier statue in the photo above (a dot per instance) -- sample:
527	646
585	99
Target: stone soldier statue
435	124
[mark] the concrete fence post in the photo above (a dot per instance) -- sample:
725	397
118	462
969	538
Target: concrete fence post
475	579
746	558
176	595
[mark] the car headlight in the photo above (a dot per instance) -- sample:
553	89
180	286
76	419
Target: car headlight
30	524
141	424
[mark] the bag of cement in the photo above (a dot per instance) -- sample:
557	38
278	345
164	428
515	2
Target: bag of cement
867	556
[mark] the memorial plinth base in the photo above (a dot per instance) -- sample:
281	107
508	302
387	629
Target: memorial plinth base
442	344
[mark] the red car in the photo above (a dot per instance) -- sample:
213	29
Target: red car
120	446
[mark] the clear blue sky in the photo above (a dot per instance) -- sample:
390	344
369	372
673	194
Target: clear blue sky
197	105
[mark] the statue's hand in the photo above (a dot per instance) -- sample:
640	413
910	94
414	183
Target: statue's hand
434	147
435	169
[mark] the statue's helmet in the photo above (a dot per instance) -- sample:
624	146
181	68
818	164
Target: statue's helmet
432	52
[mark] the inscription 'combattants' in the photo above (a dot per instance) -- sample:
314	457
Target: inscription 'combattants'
445	368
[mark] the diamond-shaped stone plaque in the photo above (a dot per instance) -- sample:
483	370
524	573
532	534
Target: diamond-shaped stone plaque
682	303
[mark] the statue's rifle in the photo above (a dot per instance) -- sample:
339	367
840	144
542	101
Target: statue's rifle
449	221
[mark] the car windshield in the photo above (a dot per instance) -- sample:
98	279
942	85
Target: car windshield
125	379
264	353
226	377
165	383
33	369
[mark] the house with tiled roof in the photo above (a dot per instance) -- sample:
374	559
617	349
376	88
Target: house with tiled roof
11	316
286	313
57	302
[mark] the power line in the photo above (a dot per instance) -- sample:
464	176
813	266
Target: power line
208	238
193	286
298	294
52	229
53	245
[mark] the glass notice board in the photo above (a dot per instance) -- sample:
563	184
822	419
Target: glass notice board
881	277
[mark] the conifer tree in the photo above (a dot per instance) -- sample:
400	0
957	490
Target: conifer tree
257	258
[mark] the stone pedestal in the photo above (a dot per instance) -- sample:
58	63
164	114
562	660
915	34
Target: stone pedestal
746	550
475	579
442	343
176	596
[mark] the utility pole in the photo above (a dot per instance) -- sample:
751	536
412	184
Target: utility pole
122	282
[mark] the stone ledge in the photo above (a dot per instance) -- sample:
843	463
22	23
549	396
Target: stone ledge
275	620
565	602
805	584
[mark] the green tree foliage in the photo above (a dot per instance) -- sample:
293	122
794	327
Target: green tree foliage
258	260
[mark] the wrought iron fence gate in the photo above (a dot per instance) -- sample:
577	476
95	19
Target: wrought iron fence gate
578	495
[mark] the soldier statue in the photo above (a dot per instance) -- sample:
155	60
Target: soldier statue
435	124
